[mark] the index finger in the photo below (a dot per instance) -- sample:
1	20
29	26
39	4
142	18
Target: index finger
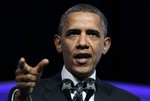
21	63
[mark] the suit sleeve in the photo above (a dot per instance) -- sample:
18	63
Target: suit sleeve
12	94
138	99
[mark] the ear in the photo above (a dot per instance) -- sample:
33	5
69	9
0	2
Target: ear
57	41
107	43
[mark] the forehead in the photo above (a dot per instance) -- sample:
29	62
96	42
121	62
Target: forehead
83	20
83	17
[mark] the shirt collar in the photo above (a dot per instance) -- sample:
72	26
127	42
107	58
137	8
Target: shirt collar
65	74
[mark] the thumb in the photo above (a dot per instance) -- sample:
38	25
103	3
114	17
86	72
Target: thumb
41	65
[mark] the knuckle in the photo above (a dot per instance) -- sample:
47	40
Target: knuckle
31	77
17	78
17	71
20	84
31	84
28	76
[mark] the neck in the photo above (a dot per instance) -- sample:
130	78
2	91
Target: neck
82	77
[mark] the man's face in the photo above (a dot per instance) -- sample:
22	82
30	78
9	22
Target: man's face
82	43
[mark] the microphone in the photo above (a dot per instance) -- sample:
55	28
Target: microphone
67	88
90	88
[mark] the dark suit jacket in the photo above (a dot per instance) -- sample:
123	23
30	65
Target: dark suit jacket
49	90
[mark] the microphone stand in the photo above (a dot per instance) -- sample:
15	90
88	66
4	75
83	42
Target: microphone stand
67	88
90	88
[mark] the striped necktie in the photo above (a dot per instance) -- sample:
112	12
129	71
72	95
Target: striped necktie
78	94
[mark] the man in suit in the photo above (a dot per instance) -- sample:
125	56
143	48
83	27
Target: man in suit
82	39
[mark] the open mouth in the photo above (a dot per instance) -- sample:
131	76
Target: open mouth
82	55
82	58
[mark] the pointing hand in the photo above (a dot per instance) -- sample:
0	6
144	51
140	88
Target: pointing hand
27	76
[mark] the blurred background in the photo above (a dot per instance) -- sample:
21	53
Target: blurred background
27	28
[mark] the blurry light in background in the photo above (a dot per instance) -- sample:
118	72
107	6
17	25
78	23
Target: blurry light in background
142	91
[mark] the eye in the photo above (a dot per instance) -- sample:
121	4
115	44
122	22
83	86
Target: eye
93	33
73	32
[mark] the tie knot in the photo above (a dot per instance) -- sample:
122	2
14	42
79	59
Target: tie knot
79	87
79	84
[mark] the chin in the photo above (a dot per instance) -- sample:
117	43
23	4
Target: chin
82	69
82	75
83	72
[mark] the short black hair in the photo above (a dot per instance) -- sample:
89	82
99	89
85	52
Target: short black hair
83	8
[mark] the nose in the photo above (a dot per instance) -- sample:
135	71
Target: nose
82	42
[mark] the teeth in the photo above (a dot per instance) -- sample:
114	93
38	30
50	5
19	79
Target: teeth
79	56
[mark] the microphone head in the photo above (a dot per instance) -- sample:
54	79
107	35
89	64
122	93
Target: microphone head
90	84
90	88
67	87
67	84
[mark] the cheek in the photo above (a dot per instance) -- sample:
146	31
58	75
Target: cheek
67	48
97	50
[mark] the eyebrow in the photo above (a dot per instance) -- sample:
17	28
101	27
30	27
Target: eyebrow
79	31
93	31
73	31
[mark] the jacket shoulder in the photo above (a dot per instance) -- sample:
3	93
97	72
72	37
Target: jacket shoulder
115	93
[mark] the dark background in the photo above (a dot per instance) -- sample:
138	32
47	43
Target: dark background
27	28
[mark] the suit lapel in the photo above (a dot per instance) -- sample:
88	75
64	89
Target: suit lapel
52	90
102	93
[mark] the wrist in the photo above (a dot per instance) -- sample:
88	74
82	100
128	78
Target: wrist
21	97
